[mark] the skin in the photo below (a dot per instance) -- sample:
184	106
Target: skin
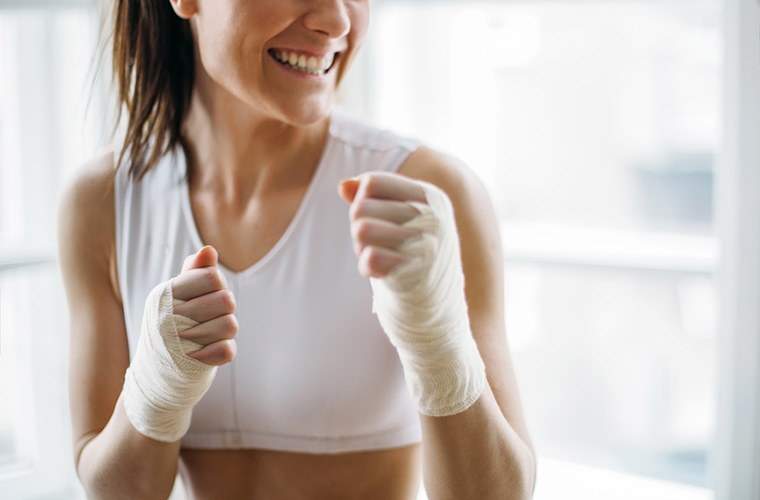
254	137
485	451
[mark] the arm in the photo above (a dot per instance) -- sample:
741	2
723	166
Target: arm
476	454
112	459
484	452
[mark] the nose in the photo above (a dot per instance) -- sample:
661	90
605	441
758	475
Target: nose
329	17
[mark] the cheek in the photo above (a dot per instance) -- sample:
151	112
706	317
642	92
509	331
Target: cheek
239	49
359	14
222	45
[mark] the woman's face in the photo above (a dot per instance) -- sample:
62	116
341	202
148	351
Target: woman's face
237	40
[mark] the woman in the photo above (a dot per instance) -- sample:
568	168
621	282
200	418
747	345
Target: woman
237	319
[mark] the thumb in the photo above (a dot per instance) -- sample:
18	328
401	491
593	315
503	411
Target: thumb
205	257
348	188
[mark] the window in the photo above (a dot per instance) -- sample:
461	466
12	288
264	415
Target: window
45	60
595	126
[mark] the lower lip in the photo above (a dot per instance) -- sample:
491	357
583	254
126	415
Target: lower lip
302	74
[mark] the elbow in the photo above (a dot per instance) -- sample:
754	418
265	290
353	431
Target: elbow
527	477
107	485
520	486
79	446
102	479
522	475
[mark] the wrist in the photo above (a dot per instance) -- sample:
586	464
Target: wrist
163	383
445	381
150	418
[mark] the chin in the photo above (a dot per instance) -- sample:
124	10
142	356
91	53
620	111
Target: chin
305	114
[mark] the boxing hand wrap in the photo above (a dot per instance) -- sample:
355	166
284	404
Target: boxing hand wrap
163	383
422	308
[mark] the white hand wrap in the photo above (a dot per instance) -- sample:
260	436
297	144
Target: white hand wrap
163	383
421	306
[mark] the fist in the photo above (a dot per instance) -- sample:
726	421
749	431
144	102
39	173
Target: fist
209	302
378	209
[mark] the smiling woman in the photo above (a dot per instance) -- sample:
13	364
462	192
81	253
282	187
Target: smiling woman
157	96
203	339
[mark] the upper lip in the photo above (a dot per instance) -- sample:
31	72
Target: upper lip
319	54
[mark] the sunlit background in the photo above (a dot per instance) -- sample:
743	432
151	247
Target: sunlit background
595	126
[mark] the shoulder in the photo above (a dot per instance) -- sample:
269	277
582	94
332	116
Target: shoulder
87	192
451	174
85	217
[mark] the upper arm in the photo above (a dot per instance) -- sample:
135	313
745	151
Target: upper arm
483	268
98	352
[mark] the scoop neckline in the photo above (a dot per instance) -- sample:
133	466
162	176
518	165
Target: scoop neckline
277	247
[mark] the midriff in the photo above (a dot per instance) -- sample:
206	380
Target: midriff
254	474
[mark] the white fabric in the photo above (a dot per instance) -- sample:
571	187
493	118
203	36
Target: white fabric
324	380
163	383
421	306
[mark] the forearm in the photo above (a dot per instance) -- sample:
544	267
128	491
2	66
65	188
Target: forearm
476	454
121	463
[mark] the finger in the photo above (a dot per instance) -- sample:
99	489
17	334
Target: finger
198	281
213	330
390	210
208	306
206	256
389	186
218	353
347	189
377	262
377	232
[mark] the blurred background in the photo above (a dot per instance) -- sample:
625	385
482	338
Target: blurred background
595	125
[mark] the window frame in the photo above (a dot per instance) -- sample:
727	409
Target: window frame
736	459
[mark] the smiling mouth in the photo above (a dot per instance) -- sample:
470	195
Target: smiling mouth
298	67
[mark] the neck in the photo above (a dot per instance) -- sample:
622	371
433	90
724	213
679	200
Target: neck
236	152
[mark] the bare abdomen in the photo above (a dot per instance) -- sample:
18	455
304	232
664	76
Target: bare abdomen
253	474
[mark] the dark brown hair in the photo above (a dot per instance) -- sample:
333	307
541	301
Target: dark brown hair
153	69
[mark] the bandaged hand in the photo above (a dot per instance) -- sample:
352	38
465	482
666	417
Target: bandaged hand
182	341
419	298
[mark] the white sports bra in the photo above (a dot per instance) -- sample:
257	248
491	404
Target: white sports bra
314	370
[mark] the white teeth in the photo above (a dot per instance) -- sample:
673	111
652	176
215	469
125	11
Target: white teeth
301	62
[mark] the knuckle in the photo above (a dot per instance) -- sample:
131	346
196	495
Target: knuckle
229	350
364	253
357	209
211	275
373	256
231	324
228	299
363	230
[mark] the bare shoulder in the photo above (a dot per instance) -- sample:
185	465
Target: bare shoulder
473	207
439	168
86	218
